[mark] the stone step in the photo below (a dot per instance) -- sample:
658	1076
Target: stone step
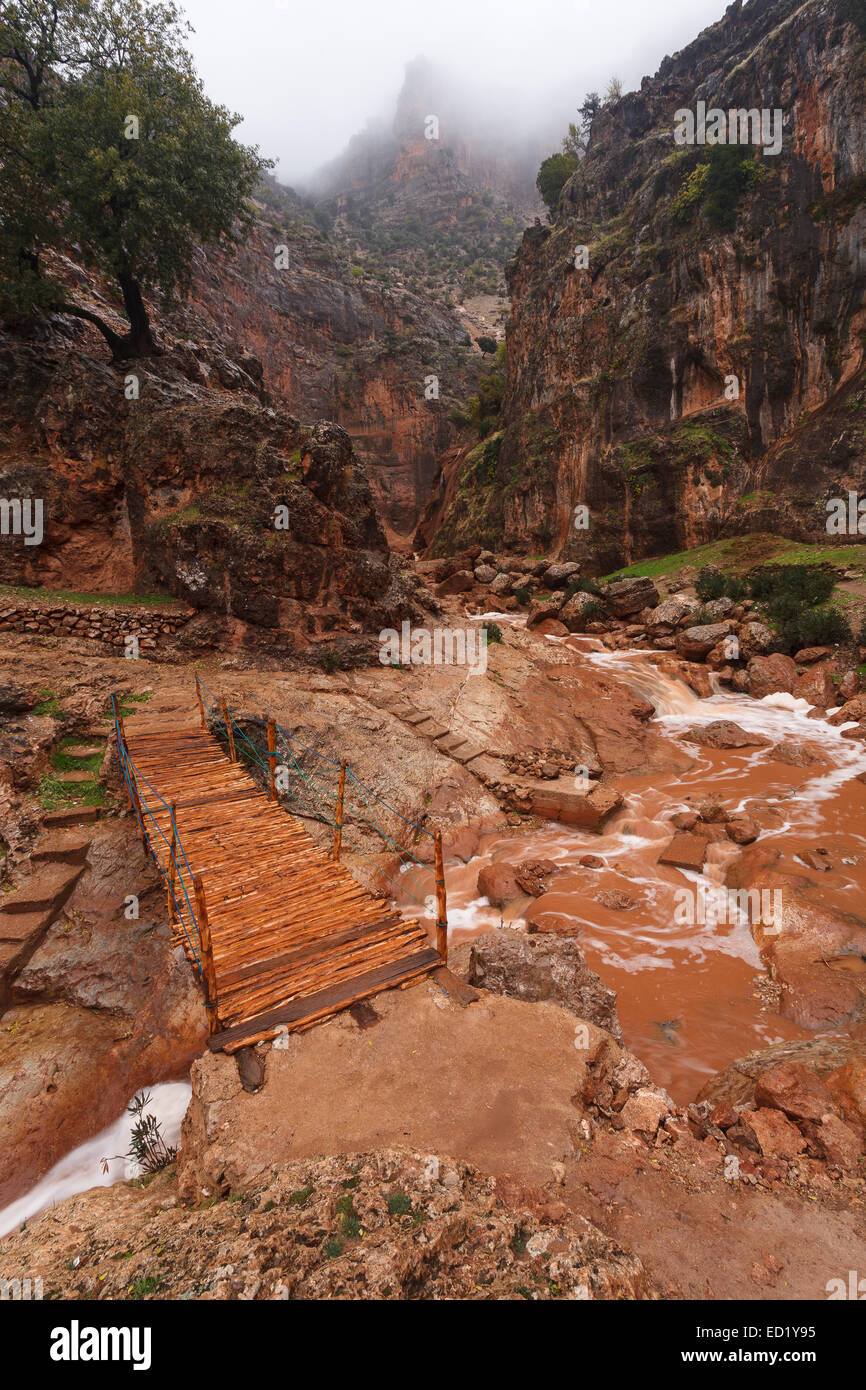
45	892
467	753
74	779
450	743
80	750
430	729
70	815
414	717
61	849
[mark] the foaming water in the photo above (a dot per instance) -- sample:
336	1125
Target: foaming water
688	992
82	1169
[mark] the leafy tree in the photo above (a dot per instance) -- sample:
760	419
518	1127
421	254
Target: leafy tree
614	90
486	344
553	175
108	144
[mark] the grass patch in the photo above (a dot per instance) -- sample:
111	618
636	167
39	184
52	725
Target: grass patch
97	600
399	1203
48	705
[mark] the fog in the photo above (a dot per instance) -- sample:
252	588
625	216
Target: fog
306	77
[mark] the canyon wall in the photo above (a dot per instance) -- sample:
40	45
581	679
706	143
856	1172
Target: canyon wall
697	369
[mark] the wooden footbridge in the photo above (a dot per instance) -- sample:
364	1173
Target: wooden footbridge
281	934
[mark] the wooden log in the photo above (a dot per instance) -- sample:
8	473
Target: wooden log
207	965
338	823
200	703
272	760
441	908
228	723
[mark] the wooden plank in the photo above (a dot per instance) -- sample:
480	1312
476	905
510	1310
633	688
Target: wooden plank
339	997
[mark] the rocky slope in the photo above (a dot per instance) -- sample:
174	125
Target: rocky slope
178	477
704	264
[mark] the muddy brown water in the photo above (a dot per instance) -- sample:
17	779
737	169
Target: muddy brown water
692	994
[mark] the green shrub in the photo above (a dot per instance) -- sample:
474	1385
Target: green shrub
523	594
785	590
712	583
814	627
580	585
494	632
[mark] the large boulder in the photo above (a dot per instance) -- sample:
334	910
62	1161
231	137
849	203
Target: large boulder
818	687
669	615
772	675
557	575
756	639
577	611
502	583
724	733
695	642
627	596
540	967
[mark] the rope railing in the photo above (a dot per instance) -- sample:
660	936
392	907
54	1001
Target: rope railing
217	716
172	869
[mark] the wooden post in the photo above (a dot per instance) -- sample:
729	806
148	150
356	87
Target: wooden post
338	824
228	723
120	742
172	863
272	759
441	909
207	965
200	703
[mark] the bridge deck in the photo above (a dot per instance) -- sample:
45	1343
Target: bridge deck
294	936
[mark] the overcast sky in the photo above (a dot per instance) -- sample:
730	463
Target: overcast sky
307	74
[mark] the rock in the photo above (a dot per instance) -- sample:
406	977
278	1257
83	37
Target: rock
849	685
576	611
724	733
756	639
557	575
542	967
550	627
14	700
575	808
694	643
772	675
847	1086
850	713
615	900
547	608
591	861
643	1112
793	1088
825	1058
719	607
838	1142
484	574
534	875
810	654
818	687
671	612
627	596
501	584
458	583
712	811
742	829
542	919
685	851
796	754
497	882
776	1136
684	820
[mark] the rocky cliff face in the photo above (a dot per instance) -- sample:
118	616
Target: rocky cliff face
339	342
195	486
698	369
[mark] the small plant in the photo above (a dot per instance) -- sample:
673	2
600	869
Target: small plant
523	594
580	585
330	661
145	1285
147	1147
494	632
300	1197
712	583
399	1203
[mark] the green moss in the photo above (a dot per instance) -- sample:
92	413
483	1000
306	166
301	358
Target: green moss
59	596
